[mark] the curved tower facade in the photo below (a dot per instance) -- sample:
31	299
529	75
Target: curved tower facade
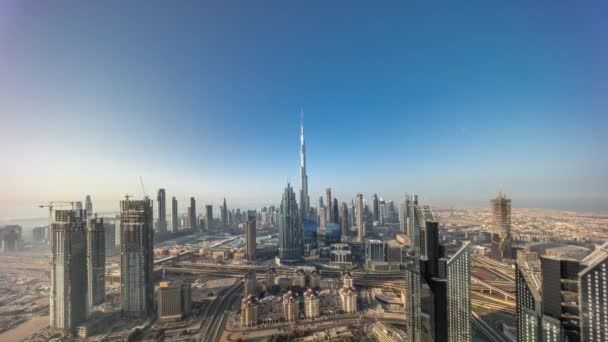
291	245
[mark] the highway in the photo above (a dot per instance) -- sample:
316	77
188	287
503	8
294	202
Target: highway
215	314
486	329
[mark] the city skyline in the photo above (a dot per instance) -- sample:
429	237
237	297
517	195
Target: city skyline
503	108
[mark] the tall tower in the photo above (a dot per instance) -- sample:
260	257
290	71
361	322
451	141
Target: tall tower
192	213
224	214
174	218
251	242
136	258
291	244
68	291
88	205
304	198
360	224
162	212
501	227
96	262
329	213
376	208
209	226
344	222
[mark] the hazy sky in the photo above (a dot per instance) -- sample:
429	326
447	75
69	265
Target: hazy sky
448	101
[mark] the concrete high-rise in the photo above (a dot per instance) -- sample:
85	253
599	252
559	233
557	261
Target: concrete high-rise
291	244
344	222
88	206
251	235
329	213
162	212
192	214
501	227
96	262
174	217
360	222
136	258
68	276
304	198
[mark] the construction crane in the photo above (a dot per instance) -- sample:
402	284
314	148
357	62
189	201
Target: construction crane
54	204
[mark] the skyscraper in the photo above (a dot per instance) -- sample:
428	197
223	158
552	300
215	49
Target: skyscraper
290	228
96	262
162	212
360	223
336	211
136	258
192	214
344	222
88	205
593	297
251	242
209	226
304	198
501	227
174	217
375	208
68	290
448	281
224	214
329	213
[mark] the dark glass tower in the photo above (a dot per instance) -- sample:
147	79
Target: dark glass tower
162	212
96	262
290	228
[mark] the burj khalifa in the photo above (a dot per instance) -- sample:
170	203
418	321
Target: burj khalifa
304	198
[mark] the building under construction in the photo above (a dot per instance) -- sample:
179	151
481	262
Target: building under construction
137	258
501	227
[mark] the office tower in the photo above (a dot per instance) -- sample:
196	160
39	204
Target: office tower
251	235
290	307
304	198
162	212
375	251
501	227
348	299
224	214
336	211
448	306
174	300
329	213
375	208
136	258
593	297
68	289
528	297
88	205
109	238
249	311
315	279
403	216
96	262
360	224
381	212
209	226
174	217
192	214
291	246
344	222
11	238
311	304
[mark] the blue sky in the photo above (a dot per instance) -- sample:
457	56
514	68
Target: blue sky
448	101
